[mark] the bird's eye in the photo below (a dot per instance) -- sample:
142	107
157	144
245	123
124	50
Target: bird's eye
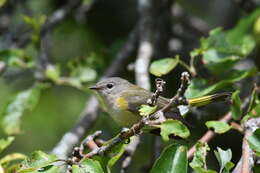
110	85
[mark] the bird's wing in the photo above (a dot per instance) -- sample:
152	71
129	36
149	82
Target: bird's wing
138	96
135	98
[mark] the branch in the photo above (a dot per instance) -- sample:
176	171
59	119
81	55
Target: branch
247	157
145	50
192	23
59	15
89	115
208	135
246	154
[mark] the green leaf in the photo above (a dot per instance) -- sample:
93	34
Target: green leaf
2	2
38	161
253	100
146	110
88	166
84	74
35	22
255	112
224	159
111	157
203	170
254	141
173	127
200	87
236	105
11	157
163	66
12	115
5	143
52	72
218	126
221	50
256	168
173	158
16	58
219	63
199	157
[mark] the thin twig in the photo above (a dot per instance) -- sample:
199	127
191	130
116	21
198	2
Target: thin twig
236	126
159	88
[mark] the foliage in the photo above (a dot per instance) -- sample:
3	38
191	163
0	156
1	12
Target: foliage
173	127
147	110
218	126
163	66
173	158
254	141
215	66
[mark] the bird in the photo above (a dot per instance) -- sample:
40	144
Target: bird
122	100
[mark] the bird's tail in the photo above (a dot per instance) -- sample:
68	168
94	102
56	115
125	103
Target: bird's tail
204	100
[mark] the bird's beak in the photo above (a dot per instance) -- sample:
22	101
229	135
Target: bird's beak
94	87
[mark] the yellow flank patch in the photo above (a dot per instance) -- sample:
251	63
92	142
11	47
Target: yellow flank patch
122	103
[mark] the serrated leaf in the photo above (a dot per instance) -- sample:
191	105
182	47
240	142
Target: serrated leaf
146	110
254	141
173	158
218	126
224	159
5	143
88	166
199	157
173	127
163	66
198	163
38	160
236	105
12	115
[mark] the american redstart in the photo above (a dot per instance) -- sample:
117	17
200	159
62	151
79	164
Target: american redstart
122	99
